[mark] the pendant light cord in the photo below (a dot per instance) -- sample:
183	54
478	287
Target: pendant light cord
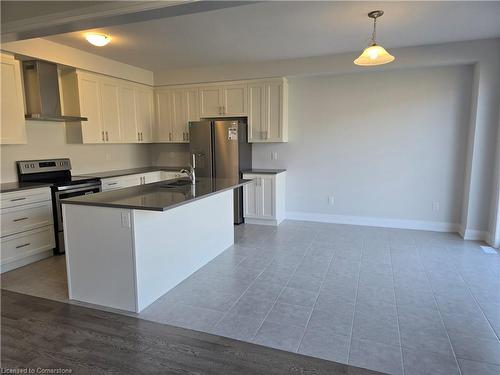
374	34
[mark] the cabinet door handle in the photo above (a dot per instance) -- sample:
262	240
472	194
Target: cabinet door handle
223	109
20	219
107	138
138	136
142	138
18	199
23	245
170	136
102	133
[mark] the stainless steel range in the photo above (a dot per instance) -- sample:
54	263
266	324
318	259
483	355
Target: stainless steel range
64	185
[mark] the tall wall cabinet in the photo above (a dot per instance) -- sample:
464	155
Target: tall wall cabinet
13	126
118	111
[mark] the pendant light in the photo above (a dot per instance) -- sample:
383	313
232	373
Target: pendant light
374	54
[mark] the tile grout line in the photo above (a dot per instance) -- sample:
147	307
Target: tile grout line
478	304
397	308
243	293
439	312
315	301
280	293
355	301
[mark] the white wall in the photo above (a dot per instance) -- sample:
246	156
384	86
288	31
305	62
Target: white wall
480	189
48	140
384	144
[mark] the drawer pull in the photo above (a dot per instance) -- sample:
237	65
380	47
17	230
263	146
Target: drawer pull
21	219
23	245
18	199
112	183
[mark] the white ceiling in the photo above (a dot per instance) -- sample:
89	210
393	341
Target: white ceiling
279	30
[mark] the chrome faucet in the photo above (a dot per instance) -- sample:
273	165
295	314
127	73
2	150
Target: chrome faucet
191	173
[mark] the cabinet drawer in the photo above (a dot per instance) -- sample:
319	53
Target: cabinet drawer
23	197
120	182
22	218
26	244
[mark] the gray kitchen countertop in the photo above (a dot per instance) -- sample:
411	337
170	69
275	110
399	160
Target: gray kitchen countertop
130	171
157	196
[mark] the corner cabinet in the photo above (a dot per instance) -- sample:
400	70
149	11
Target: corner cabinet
268	111
264	198
175	108
118	111
13	125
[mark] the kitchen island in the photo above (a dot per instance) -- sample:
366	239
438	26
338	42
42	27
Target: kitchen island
126	248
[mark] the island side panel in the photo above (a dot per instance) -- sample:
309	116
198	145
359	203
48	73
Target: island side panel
99	256
171	245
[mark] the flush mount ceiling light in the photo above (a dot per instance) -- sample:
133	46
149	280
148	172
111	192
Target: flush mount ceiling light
374	54
97	39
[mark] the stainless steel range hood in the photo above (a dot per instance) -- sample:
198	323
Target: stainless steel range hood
41	88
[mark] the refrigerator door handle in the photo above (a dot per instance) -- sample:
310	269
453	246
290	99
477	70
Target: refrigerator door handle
193	160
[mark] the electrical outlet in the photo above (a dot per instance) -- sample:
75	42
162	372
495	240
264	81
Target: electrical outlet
125	220
331	200
435	206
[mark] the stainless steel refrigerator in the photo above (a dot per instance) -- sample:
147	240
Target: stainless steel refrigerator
219	148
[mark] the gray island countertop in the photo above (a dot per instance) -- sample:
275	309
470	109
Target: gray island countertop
158	196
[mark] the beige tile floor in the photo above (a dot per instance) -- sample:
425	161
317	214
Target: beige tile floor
397	301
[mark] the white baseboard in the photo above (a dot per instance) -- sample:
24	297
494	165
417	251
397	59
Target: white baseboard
475	235
375	221
272	222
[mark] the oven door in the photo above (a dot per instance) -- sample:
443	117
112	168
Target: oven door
68	193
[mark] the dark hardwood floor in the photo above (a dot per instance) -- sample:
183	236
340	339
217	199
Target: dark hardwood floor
40	333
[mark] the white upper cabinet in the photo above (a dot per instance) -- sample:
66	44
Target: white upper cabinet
164	113
210	101
223	100
144	113
90	107
175	108
268	111
118	111
110	111
126	100
13	130
234	100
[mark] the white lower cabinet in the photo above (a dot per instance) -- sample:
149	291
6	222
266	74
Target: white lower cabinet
264	198
27	230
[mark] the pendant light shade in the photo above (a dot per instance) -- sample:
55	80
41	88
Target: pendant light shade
374	54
